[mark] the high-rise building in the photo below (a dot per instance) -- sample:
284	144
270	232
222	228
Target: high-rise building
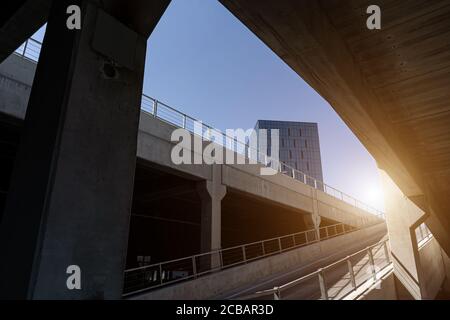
299	145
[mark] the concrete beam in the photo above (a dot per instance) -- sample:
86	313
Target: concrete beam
402	218
166	193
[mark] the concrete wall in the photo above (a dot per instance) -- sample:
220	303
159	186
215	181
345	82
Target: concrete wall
216	283
434	271
16	78
155	146
432	268
384	289
446	261
401	217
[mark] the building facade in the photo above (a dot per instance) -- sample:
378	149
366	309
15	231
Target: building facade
299	145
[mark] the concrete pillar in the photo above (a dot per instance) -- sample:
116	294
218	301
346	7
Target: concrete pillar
211	193
71	191
314	219
402	218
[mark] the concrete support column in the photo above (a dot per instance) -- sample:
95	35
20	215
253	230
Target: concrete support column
71	191
402	218
212	192
315	217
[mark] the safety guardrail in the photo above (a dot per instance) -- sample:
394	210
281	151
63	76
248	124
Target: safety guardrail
276	293
174	117
31	49
164	273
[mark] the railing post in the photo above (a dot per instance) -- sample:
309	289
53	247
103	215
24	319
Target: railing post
277	294
194	267
351	272
293	174
244	256
25	48
326	231
335	230
184	121
306	237
372	263
386	252
315	184
323	285
304	178
263	249
160	274
221	259
279	244
293	241
155	108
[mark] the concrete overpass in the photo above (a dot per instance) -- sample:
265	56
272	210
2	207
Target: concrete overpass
390	86
216	207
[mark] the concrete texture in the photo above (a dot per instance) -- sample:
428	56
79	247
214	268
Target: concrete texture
383	289
389	86
78	188
154	145
422	271
218	283
432	269
336	276
211	193
20	19
16	78
401	229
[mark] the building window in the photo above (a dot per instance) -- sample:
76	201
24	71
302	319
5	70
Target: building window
302	155
296	166
289	132
282	143
295	145
306	143
290	154
307	165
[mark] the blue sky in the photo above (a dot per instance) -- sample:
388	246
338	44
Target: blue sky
204	62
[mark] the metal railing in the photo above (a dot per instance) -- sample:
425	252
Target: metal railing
423	235
164	273
31	48
320	277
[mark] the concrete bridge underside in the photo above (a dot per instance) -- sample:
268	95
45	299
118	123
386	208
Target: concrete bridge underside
390	86
176	209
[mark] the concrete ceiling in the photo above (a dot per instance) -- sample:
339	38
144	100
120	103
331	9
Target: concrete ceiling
390	86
